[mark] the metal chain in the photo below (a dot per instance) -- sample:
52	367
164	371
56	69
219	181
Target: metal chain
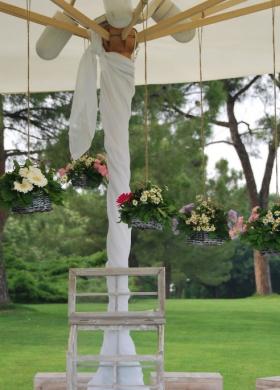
202	119
276	137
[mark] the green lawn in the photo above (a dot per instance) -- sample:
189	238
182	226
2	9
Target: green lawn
238	338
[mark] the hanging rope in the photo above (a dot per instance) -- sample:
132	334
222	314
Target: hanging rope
146	95
202	119
28	6
276	137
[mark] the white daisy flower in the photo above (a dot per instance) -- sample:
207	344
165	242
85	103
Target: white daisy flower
36	177
144	198
24	187
23	172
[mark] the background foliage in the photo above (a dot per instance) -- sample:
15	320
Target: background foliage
39	249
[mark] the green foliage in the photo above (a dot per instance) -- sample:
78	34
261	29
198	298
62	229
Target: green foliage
263	232
47	281
35	243
147	203
27	188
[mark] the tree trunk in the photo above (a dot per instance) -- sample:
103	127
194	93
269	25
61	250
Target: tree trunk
262	274
261	264
4	296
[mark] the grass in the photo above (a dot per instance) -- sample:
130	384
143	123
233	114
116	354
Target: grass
238	338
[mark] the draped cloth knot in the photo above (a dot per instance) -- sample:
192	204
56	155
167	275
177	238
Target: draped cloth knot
116	93
116	72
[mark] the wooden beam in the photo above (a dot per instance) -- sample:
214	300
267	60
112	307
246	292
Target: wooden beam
217	8
41	19
208	21
136	14
82	18
173	20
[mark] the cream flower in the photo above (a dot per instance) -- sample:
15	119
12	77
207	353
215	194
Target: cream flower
63	179
24	187
134	202
36	177
23	172
89	161
143	198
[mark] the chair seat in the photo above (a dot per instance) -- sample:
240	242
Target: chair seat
149	318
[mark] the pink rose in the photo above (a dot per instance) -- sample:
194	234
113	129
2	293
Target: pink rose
62	172
254	214
96	164
102	169
238	228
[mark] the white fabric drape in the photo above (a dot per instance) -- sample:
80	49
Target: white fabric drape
116	92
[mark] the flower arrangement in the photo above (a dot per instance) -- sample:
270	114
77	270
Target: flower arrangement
85	172
262	230
19	188
146	208
203	222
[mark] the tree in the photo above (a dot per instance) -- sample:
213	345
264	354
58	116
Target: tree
230	93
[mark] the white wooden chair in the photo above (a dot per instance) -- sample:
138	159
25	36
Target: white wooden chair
146	320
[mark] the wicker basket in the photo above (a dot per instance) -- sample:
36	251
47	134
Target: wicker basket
203	239
270	252
151	225
41	203
80	181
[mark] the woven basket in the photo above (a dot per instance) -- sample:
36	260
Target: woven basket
270	252
41	203
203	239
151	225
80	181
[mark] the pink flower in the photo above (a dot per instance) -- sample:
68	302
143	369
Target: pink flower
62	172
238	228
254	214
100	168
103	170
124	198
96	164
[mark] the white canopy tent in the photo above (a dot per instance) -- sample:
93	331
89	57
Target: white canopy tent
233	48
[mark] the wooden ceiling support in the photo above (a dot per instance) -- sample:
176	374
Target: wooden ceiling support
81	18
217	8
41	19
174	20
207	21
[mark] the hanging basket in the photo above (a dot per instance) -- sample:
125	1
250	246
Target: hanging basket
203	239
150	225
41	203
270	252
80	181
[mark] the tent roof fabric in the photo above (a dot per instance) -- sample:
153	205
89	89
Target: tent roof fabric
235	48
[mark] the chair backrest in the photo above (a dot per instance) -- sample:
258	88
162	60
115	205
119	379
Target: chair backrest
116	276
